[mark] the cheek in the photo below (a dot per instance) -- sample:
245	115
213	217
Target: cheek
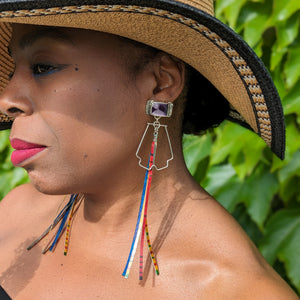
83	152
92	103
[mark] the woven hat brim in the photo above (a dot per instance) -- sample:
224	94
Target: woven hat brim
188	33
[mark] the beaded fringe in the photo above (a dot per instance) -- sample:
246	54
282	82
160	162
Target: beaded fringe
141	225
65	213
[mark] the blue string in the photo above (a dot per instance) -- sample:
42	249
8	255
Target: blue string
138	220
68	205
62	224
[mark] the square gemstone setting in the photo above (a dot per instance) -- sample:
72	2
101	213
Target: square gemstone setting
159	109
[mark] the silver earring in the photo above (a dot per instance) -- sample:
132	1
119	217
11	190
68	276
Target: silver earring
157	110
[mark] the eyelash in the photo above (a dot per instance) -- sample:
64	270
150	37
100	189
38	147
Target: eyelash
40	69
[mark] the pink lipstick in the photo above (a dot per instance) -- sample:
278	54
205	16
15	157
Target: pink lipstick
24	150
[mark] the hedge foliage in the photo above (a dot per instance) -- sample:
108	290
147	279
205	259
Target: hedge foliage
233	164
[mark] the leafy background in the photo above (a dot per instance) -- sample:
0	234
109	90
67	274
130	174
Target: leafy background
261	191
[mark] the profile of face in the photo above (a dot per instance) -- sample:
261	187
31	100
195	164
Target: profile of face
71	92
81	95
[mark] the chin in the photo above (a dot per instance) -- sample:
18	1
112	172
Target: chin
48	190
49	186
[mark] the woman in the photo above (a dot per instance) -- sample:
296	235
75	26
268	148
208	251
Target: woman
77	99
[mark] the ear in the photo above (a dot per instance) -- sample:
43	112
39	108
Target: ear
170	77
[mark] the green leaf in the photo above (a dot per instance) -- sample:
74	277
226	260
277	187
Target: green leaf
287	31
251	153
227	142
258	48
7	164
289	189
290	170
221	5
228	194
292	143
201	171
292	100
279	227
19	176
292	66
232	12
218	176
255	18
237	160
4	141
277	163
282	240
284	9
256	196
279	82
195	149
255	27
290	255
277	55
241	215
231	9
5	180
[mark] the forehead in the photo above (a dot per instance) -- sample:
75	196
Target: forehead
24	36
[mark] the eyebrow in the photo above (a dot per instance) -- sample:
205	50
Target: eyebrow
54	33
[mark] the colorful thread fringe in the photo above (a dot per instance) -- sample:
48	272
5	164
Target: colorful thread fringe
68	210
141	225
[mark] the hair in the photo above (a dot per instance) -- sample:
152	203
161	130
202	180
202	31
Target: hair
203	106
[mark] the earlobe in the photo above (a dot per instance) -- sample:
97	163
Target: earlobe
170	77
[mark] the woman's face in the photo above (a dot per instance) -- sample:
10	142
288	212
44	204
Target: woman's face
72	93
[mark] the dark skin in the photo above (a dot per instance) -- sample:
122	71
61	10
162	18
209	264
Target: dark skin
91	120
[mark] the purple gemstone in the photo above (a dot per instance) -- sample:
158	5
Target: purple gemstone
159	109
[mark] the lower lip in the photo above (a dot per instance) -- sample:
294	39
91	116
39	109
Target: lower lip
19	156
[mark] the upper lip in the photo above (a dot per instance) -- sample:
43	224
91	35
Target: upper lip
18	144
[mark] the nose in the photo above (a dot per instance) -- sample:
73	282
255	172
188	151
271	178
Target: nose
14	100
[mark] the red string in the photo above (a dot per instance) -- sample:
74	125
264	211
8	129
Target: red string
149	180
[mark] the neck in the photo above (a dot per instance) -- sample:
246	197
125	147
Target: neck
107	220
111	209
121	201
117	199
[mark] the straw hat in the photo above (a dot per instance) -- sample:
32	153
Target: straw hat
186	29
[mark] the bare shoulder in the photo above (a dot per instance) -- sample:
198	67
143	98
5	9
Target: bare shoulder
221	257
16	201
23	205
24	214
20	194
267	287
23	199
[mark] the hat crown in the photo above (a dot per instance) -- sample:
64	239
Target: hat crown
205	5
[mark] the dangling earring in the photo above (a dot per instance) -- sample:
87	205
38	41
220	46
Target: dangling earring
65	214
157	110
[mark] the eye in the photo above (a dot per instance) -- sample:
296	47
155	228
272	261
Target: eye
43	69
